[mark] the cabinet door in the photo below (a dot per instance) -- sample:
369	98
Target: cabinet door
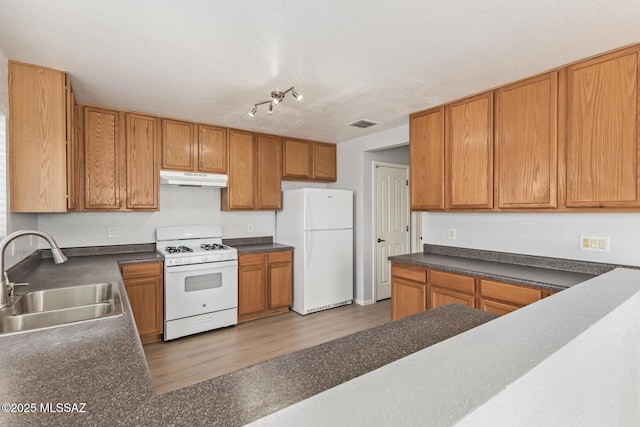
145	297
324	161
508	293
212	149
252	289
269	160
407	298
73	167
142	164
602	131
280	279
297	159
526	143
178	146
495	307
441	296
469	140
241	190
426	158
37	139
101	157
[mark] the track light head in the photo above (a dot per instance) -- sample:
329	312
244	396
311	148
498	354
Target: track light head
253	111
276	97
270	110
296	95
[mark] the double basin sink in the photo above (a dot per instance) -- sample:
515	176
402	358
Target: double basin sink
60	306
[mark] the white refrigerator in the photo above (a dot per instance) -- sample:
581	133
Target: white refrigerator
318	223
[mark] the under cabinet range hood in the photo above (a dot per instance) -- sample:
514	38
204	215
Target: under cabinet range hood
193	179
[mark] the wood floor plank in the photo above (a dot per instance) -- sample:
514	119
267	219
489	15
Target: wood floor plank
190	360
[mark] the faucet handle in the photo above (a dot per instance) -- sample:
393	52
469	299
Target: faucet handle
10	285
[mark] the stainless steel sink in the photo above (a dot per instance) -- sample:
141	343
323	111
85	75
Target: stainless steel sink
60	306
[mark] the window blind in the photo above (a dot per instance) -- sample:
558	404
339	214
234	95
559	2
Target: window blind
3	175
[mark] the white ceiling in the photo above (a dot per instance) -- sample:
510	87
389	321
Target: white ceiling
211	60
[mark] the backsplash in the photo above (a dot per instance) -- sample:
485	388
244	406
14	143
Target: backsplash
178	206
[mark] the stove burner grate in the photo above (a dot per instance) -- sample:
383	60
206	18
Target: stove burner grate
213	246
178	249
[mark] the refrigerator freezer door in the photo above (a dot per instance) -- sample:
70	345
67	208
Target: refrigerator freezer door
326	209
328	270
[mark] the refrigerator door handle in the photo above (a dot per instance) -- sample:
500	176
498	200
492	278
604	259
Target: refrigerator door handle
306	249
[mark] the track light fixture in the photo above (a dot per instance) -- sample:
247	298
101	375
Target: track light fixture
276	98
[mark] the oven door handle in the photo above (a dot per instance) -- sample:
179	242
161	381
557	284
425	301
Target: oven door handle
203	266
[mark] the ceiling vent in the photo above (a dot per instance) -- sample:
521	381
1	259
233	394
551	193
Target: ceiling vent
362	124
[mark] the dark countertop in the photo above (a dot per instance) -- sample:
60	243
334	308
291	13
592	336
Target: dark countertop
100	363
251	393
262	247
513	273
101	367
250	245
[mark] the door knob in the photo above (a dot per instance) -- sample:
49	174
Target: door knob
380	240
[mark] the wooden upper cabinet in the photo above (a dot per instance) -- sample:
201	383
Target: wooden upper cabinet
297	159
142	162
73	164
102	152
212	149
178	145
269	161
241	190
469	152
526	143
324	161
602	131
426	154
37	138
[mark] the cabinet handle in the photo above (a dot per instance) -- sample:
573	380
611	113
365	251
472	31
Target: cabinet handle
380	240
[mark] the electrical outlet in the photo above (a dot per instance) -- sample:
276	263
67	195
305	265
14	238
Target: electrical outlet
250	228
452	234
594	243
112	232
14	248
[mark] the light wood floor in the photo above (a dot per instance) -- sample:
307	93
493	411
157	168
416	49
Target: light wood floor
190	360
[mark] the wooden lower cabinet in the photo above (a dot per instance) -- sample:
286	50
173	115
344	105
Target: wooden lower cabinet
144	283
502	298
446	288
408	290
415	289
439	297
265	284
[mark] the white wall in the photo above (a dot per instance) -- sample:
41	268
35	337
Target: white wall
178	206
14	221
352	175
544	234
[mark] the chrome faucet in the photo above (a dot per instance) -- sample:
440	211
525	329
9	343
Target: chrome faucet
58	258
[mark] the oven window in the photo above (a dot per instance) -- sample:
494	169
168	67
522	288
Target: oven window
202	282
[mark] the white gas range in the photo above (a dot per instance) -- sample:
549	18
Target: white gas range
200	280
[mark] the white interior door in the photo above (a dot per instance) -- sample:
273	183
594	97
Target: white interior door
391	221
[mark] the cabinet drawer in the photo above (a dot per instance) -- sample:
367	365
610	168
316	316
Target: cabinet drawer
251	259
142	269
284	256
452	281
417	274
510	293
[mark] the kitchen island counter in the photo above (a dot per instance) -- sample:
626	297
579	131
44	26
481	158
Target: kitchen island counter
100	366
